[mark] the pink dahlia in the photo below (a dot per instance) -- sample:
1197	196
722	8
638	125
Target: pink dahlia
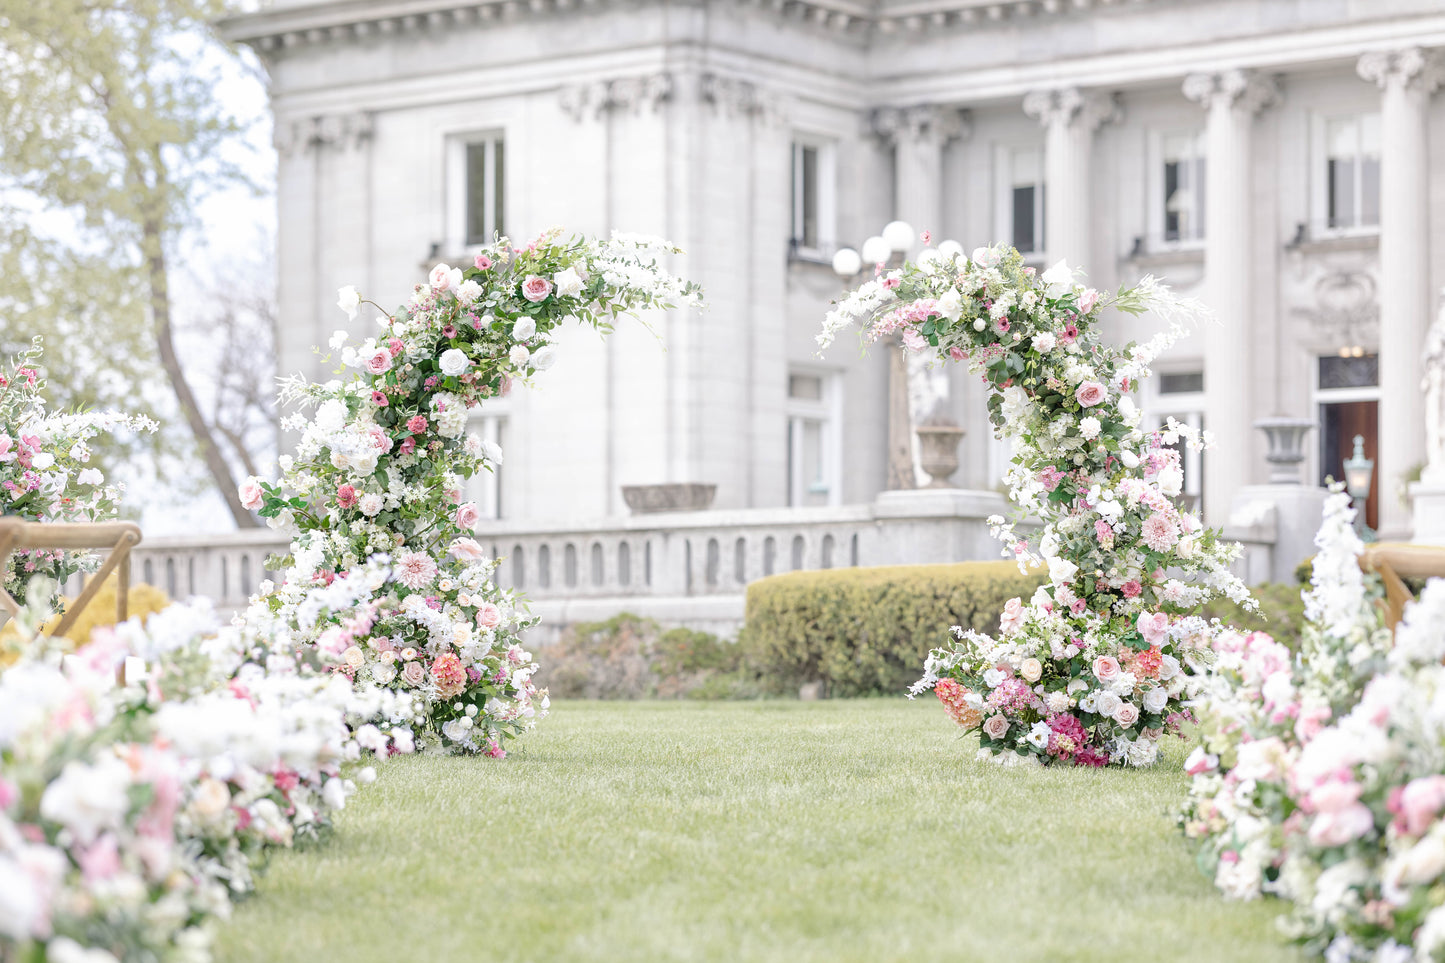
1159	532
415	570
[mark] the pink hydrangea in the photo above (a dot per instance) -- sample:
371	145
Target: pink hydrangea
449	675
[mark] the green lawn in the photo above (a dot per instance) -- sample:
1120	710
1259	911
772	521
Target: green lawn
830	831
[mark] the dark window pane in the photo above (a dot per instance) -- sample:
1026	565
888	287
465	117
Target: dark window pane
810	197
1337	372
1370	190
1172	200
1023	216
476	194
1342	192
1199	196
1179	382
497	193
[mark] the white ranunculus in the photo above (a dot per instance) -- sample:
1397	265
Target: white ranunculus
545	357
569	283
1049	544
519	355
348	300
1129	411
951	304
525	329
454	361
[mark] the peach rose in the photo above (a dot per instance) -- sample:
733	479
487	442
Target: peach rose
488	615
1106	668
353	657
413	673
1031	670
466	550
995	726
1127	714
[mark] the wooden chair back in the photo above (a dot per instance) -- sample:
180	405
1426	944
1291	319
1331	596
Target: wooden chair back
119	537
1397	561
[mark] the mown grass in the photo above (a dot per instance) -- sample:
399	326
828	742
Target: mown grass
833	831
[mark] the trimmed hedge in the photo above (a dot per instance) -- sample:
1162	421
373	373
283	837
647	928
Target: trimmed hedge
865	631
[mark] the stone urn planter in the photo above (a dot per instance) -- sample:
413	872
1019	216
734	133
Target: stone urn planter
672	497
1286	439
938	452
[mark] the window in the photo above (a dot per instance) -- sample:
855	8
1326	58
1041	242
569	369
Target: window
814	448
476	195
814	187
1180	395
485	487
1021	213
1348	196
1183	187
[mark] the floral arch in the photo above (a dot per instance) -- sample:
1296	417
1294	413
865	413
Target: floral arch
1097	665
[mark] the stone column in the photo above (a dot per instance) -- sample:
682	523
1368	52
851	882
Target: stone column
1233	99
1406	79
1070	117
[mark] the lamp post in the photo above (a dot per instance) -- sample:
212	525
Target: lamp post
1359	471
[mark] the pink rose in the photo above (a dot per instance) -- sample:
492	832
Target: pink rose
488	615
1154	628
468	515
251	494
1087	300
466	550
1106	668
1013	616
1091	393
1339	827
413	673
379	362
995	726
535	288
1127	714
1422	799
957	354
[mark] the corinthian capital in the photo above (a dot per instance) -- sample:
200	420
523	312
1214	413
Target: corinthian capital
1410	68
1241	89
1068	106
921	123
627	94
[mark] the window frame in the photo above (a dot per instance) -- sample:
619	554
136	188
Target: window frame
827	412
488	488
1157	235
1187	408
458	192
1004	163
826	175
1320	176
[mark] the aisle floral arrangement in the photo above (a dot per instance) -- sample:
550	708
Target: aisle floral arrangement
384	456
144	778
1098	664
1321	779
46	472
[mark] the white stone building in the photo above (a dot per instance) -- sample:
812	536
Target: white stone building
1273	157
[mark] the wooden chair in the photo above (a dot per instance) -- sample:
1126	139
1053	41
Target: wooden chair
1396	561
119	537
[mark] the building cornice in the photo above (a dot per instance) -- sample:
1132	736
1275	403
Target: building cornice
275	29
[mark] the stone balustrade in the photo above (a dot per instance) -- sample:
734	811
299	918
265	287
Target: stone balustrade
688	568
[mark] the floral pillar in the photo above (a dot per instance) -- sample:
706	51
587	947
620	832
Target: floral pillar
1406	79
1233	99
1070	117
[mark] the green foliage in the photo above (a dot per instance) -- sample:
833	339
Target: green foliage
864	631
1281	613
631	657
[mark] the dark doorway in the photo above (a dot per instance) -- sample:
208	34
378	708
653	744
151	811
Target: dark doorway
1340	422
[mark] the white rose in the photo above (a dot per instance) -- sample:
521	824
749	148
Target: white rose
1061	570
1107	704
525	329
1156	699
348	300
454	361
569	283
1059	278
519	355
42	461
951	304
492	451
1129	459
89	476
545	357
1171	481
444	277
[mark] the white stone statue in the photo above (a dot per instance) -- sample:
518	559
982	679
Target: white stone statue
1433	385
